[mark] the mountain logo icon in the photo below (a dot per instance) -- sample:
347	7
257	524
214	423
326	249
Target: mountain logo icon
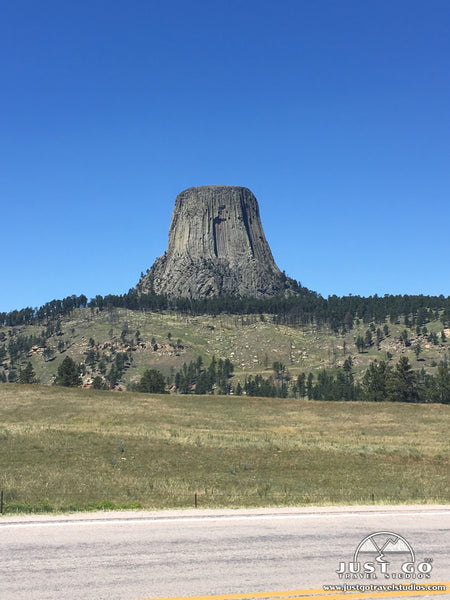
382	543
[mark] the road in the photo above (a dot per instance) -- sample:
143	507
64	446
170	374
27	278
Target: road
249	553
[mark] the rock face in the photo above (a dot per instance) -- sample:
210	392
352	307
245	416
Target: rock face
216	247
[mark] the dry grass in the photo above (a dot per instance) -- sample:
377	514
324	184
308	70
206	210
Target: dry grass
63	448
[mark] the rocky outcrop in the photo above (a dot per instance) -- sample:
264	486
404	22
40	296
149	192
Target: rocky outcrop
216	247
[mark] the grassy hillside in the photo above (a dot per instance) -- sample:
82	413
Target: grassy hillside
166	340
64	449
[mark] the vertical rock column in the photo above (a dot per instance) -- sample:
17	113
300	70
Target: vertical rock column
216	247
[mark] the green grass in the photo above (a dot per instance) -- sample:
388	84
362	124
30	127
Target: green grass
64	449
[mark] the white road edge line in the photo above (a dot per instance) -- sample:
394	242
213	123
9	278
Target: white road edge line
217	518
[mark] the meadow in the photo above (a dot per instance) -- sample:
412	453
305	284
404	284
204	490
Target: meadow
67	449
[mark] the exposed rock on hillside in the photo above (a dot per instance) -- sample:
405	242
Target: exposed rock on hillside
216	247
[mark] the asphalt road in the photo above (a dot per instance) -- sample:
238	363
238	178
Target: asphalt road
137	556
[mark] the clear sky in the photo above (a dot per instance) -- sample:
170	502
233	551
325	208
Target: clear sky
335	113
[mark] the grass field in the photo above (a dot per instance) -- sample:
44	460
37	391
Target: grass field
73	449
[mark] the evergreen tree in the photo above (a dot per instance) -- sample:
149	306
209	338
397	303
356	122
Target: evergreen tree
402	385
442	384
203	385
404	337
68	373
98	383
152	382
12	376
324	388
433	338
360	344
375	382
301	386
368	339
309	386
113	375
27	374
379	337
346	381
417	350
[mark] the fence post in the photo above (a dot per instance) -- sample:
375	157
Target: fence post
373	498
195	499
1	502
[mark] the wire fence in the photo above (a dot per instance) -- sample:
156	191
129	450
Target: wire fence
220	499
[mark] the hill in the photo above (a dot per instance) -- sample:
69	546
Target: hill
102	336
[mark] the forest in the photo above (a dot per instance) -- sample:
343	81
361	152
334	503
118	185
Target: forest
300	308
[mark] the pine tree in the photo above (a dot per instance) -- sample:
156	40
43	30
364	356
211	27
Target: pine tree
68	374
301	387
375	381
402	385
360	344
309	386
442	380
98	383
152	382
27	375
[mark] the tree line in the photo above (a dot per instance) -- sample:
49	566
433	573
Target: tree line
301	307
381	382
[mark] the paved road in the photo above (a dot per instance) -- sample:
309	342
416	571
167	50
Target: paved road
136	556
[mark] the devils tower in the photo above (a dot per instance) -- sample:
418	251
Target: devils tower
216	247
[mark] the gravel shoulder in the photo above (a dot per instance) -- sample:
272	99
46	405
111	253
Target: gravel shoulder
191	514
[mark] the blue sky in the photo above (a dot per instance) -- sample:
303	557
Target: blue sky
335	113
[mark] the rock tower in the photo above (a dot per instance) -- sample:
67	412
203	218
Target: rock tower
216	247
